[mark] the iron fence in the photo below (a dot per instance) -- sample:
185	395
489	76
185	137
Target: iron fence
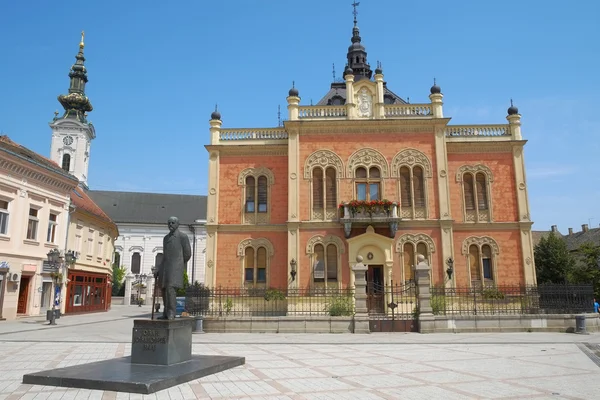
510	300
263	302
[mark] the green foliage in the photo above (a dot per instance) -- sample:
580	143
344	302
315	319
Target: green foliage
228	306
340	306
587	266
553	262
118	275
274	294
186	284
492	293
438	304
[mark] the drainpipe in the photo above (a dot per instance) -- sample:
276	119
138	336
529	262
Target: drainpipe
193	229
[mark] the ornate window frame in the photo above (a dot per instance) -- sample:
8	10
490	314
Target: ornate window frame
310	251
367	158
476	215
414	239
256	217
323	159
481	241
255	244
411	158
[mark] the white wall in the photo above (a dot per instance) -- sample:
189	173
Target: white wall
148	240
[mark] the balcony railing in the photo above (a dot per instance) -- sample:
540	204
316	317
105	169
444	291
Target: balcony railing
407	110
363	212
391	111
253	134
477	130
321	112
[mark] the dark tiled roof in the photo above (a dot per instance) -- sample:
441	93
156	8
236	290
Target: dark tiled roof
536	236
149	208
339	89
24	153
82	201
578	238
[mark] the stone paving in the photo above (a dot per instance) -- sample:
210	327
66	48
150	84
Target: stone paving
304	366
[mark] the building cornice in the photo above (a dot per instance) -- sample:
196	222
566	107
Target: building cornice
254	149
490	226
358	126
505	146
15	165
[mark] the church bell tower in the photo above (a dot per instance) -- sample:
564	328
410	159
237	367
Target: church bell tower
72	134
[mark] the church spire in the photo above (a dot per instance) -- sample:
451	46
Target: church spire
76	104
357	55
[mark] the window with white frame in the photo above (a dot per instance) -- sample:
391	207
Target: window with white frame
368	183
32	224
136	262
52	224
3	217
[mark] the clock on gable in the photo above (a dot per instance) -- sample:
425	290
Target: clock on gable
68	140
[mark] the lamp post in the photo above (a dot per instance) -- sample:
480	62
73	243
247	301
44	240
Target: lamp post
138	282
54	262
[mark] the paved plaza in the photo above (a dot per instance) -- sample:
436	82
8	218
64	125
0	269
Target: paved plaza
316	366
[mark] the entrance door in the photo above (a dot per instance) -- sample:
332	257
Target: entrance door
23	295
375	290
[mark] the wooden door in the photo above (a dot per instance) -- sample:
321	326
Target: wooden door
375	289
23	295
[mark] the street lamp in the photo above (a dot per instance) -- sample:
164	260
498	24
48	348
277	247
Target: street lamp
138	281
54	262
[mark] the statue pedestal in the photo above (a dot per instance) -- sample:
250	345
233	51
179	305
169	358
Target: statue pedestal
161	342
161	357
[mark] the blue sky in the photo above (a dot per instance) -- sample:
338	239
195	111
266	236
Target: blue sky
157	68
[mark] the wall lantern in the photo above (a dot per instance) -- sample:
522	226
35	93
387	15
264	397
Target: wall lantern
293	269
450	269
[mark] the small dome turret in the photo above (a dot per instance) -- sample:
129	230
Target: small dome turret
378	70
512	110
215	114
348	71
293	91
435	89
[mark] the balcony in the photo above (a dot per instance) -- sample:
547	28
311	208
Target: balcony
375	213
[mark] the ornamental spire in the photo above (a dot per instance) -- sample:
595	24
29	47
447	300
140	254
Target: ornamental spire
357	55
76	104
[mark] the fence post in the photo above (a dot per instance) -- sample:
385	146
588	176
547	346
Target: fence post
426	318
361	313
127	298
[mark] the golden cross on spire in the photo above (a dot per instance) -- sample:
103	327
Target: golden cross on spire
81	44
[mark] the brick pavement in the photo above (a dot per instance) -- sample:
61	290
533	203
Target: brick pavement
304	366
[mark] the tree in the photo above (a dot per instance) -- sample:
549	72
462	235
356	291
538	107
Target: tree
118	274
587	266
553	262
186	284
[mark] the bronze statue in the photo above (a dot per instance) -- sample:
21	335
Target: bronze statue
176	254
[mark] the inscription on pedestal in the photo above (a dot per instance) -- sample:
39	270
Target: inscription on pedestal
162	342
149	338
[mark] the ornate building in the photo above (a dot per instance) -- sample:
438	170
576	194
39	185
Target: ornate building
364	172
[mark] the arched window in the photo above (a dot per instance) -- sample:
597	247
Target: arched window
117	259
256	193
412	167
255	266
158	259
136	260
66	162
368	183
324	193
410	246
476	184
324	253
481	253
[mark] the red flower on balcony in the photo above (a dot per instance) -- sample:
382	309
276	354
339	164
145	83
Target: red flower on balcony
370	207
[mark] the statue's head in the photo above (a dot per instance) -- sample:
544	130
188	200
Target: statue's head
173	223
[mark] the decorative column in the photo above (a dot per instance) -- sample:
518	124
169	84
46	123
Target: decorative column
128	281
426	318
361	313
293	219
379	106
436	97
215	127
349	76
212	218
293	103
514	122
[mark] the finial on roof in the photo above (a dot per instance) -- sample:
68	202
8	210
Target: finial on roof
435	89
355	12
512	110
216	114
334	72
82	44
378	70
293	91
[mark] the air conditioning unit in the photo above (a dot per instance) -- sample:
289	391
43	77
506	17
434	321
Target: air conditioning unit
14	277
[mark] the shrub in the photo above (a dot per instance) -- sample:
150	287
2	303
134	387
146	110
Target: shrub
438	304
274	294
340	306
492	294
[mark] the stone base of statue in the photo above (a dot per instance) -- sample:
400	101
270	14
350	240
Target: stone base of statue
161	357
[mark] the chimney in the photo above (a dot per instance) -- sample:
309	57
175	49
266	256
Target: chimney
554	228
570	231
584	227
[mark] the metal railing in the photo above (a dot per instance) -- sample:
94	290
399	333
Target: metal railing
513	300
263	302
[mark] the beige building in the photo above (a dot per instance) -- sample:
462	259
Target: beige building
34	214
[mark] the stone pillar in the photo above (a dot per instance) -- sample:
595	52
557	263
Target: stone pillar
426	318
379	105
514	123
293	104
527	258
350	96
436	105
128	280
212	218
293	217
361	313
215	129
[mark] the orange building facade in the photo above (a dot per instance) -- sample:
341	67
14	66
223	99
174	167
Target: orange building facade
363	172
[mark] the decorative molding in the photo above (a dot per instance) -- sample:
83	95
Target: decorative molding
367	158
325	240
23	172
157	249
323	158
479	241
138	249
415	238
256	172
255	244
210	263
489	146
410	158
249	150
474	169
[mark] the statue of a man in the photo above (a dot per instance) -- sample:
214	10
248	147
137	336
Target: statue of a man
176	253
